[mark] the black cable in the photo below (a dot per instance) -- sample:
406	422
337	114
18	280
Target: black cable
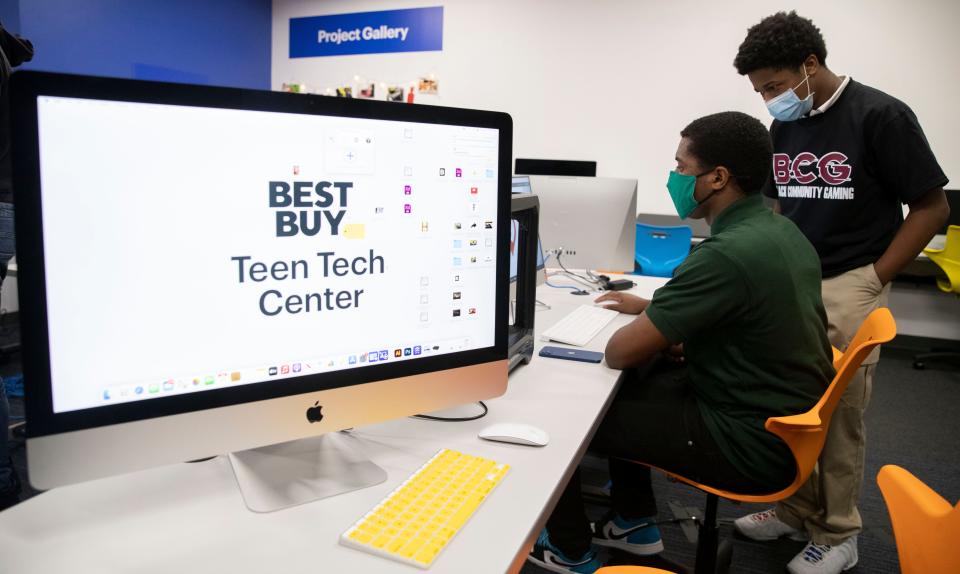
587	279
575	277
204	459
455	419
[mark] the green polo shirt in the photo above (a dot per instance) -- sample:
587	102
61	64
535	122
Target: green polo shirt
746	305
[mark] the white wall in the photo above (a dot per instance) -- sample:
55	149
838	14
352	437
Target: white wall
616	80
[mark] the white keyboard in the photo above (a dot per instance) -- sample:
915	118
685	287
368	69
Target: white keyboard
580	326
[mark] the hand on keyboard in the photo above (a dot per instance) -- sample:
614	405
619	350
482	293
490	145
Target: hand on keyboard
623	302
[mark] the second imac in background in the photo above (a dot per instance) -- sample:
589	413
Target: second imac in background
587	222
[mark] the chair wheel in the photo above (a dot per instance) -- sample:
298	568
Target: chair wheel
919	365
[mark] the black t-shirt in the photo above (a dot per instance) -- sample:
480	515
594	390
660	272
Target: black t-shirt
841	176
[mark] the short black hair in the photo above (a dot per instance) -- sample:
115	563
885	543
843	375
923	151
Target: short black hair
783	40
739	142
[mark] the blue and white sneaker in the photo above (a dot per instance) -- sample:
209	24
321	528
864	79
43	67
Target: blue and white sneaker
640	536
549	557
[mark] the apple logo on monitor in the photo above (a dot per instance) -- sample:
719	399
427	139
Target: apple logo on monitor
313	413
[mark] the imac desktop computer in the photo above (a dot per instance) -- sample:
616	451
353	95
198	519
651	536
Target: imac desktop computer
588	222
212	270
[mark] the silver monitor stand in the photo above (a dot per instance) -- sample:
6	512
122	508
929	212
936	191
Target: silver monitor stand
291	473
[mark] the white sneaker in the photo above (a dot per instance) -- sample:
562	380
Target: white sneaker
765	526
824	559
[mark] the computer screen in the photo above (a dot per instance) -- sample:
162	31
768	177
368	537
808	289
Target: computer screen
521	184
192	249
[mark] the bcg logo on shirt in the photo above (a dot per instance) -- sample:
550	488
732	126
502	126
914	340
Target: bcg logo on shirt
805	167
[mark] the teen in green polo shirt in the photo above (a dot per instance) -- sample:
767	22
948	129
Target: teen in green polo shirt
746	307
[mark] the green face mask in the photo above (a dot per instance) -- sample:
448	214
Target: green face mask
681	189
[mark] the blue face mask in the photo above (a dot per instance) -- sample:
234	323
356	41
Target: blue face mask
681	188
788	107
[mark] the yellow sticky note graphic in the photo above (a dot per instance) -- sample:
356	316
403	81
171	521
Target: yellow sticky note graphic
354	231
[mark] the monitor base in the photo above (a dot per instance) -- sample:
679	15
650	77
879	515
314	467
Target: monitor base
291	473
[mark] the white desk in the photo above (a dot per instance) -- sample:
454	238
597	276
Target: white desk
190	517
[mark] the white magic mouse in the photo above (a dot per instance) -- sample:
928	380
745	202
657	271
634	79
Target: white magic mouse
515	433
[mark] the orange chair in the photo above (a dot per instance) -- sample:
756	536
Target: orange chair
804	433
926	527
631	570
837	355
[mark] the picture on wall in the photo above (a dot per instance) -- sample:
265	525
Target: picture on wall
395	93
428	86
368	91
345	92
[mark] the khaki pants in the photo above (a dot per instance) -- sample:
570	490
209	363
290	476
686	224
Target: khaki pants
826	505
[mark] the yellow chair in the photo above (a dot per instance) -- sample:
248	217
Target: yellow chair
948	259
926	527
803	433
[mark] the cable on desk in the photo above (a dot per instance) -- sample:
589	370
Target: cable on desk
576	278
455	419
560	263
549	284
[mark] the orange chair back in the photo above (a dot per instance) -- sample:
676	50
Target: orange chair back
926	527
806	432
631	570
837	355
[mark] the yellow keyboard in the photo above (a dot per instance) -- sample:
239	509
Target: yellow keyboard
418	519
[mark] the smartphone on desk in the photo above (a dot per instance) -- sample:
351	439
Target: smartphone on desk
571	354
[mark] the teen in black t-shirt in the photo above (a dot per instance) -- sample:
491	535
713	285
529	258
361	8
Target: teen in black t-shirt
843	174
846	158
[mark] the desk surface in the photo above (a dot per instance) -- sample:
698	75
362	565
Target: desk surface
191	518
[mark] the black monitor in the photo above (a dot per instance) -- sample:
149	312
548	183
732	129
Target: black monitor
525	210
209	270
521	185
555	167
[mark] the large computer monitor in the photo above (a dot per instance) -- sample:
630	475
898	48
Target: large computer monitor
210	270
591	219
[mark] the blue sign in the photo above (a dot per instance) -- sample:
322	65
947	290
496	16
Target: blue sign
414	30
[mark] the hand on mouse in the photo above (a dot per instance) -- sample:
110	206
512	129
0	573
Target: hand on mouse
623	302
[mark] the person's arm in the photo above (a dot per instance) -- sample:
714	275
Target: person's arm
634	344
927	216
